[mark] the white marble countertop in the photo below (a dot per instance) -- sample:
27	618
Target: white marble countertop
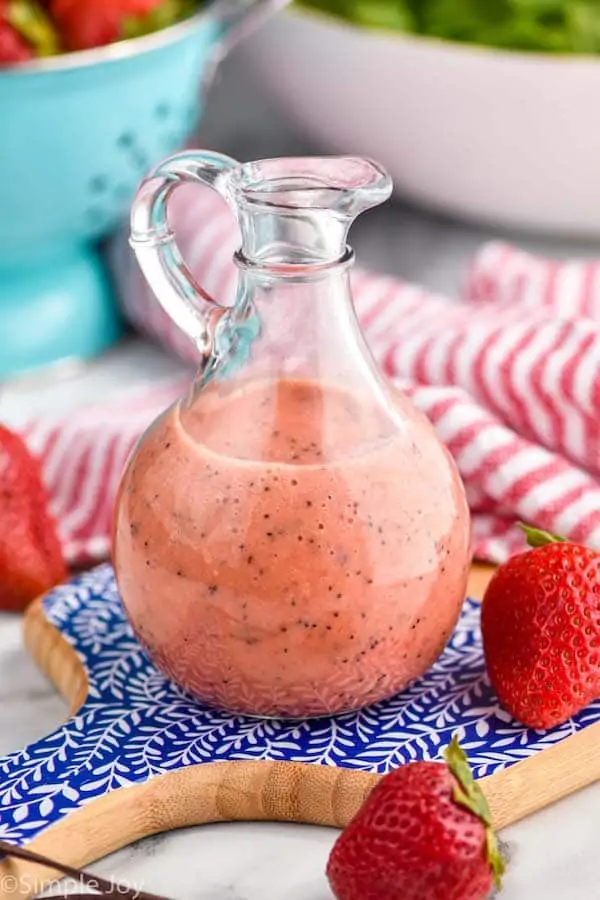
552	855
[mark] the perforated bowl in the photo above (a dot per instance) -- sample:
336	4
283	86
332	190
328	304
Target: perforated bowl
77	134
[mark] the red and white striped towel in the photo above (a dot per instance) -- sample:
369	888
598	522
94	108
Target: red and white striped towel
502	273
510	378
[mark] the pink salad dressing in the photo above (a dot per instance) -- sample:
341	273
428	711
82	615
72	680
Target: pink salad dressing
275	561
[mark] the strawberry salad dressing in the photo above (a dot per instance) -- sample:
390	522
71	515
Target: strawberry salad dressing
275	562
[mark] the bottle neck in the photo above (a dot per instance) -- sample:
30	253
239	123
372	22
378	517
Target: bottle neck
306	327
273	238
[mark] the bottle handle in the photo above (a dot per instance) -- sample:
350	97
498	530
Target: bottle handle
154	244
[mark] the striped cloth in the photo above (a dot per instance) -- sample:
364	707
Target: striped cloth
510	377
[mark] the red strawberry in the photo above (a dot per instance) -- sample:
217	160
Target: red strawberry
31	559
13	48
93	23
541	631
424	833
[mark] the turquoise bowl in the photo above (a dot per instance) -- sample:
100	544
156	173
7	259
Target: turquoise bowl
77	134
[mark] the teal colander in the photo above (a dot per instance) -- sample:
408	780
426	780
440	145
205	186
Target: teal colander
77	133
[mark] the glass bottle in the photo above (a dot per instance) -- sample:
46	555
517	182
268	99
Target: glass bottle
291	538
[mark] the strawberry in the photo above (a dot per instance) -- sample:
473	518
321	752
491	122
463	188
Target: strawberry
13	47
540	621
424	833
31	559
93	23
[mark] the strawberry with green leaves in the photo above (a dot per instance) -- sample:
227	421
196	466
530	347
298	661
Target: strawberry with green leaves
424	833
540	621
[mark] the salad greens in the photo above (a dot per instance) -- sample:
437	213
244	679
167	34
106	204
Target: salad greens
550	26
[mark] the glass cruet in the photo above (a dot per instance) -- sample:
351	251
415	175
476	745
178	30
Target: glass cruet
291	539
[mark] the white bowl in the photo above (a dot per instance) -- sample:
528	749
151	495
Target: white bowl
507	138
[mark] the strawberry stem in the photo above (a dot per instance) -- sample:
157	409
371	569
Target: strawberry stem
538	538
467	793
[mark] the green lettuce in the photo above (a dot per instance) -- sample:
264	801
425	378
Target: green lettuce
548	26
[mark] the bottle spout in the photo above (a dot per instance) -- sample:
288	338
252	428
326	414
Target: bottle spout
299	211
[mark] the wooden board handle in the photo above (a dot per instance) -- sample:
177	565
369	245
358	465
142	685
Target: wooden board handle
280	792
550	776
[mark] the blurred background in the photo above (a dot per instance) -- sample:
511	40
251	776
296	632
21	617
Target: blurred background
481	115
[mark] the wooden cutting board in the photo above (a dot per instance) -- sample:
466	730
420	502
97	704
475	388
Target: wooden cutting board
56	806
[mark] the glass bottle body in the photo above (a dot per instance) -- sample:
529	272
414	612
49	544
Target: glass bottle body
291	538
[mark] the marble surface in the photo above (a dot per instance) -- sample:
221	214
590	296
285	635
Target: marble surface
552	855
